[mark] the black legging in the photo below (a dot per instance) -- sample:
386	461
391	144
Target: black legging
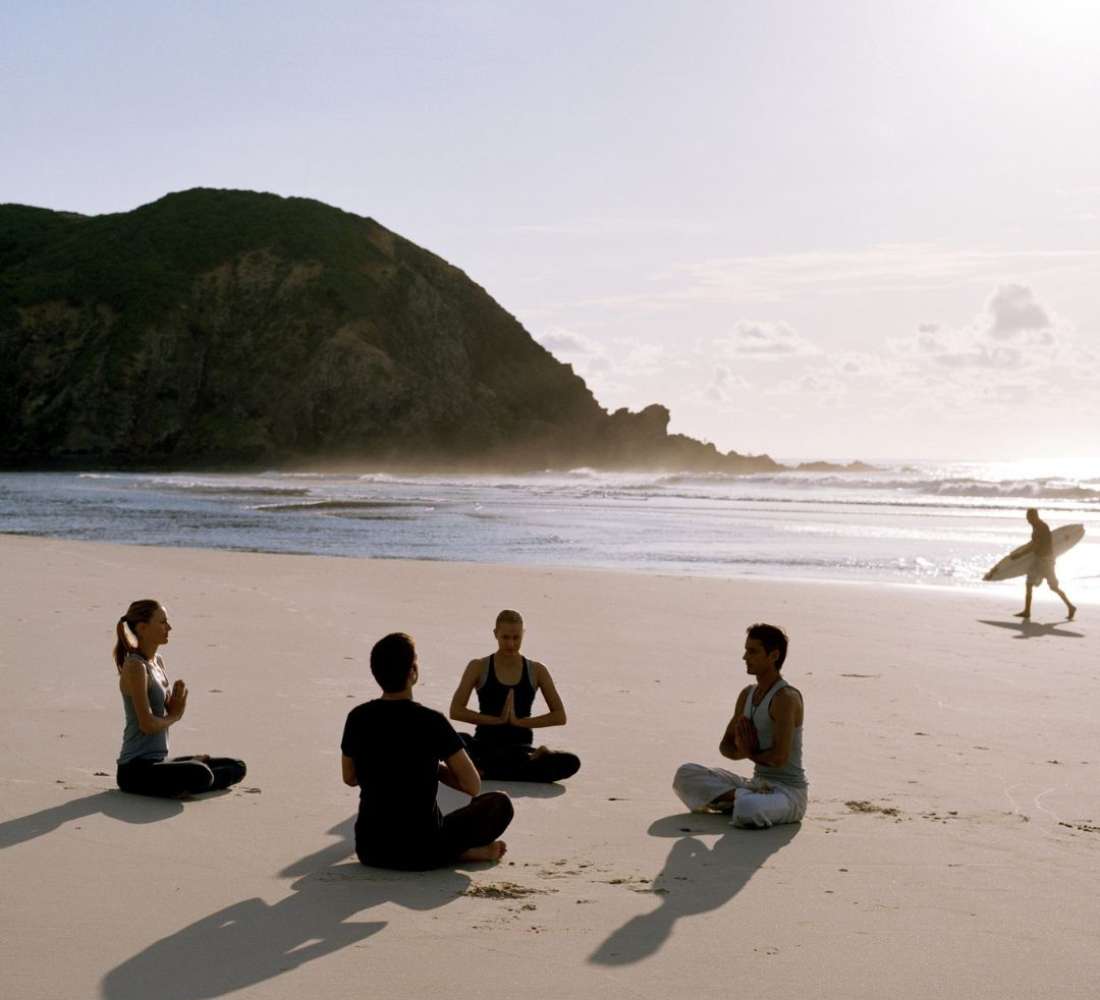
476	824
179	776
506	762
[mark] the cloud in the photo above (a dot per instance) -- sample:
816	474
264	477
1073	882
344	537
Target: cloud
611	226
1006	393
565	343
886	267
1013	310
850	364
647	359
1014	332
765	341
725	385
588	358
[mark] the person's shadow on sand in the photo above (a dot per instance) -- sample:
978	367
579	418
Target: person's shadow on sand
252	941
694	879
1033	630
524	789
118	805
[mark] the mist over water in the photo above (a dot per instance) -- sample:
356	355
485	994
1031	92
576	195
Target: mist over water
906	523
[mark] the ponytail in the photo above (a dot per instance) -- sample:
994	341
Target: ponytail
138	612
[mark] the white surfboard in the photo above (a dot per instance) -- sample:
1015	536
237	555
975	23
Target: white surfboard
1018	561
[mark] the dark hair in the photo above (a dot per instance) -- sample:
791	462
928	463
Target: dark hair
136	613
391	659
771	637
509	617
1031	511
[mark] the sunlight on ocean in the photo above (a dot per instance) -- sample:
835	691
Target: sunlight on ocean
905	522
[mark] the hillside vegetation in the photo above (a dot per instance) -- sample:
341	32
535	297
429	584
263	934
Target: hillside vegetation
236	328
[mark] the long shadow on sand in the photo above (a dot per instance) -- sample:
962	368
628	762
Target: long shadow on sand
118	805
253	941
694	879
1034	630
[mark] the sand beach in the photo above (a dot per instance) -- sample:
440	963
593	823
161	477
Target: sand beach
950	849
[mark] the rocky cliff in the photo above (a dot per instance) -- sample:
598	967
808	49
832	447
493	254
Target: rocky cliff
230	327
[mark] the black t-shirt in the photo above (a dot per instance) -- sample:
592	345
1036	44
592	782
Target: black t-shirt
397	746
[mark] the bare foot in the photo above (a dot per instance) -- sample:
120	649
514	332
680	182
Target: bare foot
722	804
540	752
1072	612
490	852
1022	614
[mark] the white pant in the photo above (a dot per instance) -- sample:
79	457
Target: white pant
757	803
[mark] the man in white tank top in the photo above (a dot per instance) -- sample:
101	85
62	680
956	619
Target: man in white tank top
766	728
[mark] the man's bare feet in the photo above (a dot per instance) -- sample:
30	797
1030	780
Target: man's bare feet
490	852
722	804
1022	614
1072	612
540	752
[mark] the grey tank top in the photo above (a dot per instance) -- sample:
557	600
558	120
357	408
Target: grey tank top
791	773
137	745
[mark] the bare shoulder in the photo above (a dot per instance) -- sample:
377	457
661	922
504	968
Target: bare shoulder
133	666
474	668
789	700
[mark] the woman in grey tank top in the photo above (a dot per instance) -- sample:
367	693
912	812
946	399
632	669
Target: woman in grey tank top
150	708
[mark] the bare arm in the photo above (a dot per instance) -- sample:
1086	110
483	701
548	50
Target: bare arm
347	771
556	716
729	747
460	713
135	685
458	772
786	707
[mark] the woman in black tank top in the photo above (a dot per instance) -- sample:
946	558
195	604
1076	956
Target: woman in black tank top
506	685
491	698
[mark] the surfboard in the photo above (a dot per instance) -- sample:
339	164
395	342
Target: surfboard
1018	561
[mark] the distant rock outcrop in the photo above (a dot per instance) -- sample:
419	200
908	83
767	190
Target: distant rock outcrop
235	328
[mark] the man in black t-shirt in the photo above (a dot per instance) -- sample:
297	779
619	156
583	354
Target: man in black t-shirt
1042	565
397	751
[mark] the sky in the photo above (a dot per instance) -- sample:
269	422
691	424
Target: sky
844	229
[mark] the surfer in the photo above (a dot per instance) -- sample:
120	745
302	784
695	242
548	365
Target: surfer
397	751
766	728
506	684
1042	565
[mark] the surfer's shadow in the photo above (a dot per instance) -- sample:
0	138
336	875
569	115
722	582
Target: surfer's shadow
1034	630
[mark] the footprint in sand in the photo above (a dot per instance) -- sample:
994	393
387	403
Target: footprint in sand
502	890
862	806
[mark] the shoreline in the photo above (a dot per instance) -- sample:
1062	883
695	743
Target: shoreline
954	802
1087	599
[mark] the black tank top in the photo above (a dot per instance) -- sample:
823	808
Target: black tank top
490	701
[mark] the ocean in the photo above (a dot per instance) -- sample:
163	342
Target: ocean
907	522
